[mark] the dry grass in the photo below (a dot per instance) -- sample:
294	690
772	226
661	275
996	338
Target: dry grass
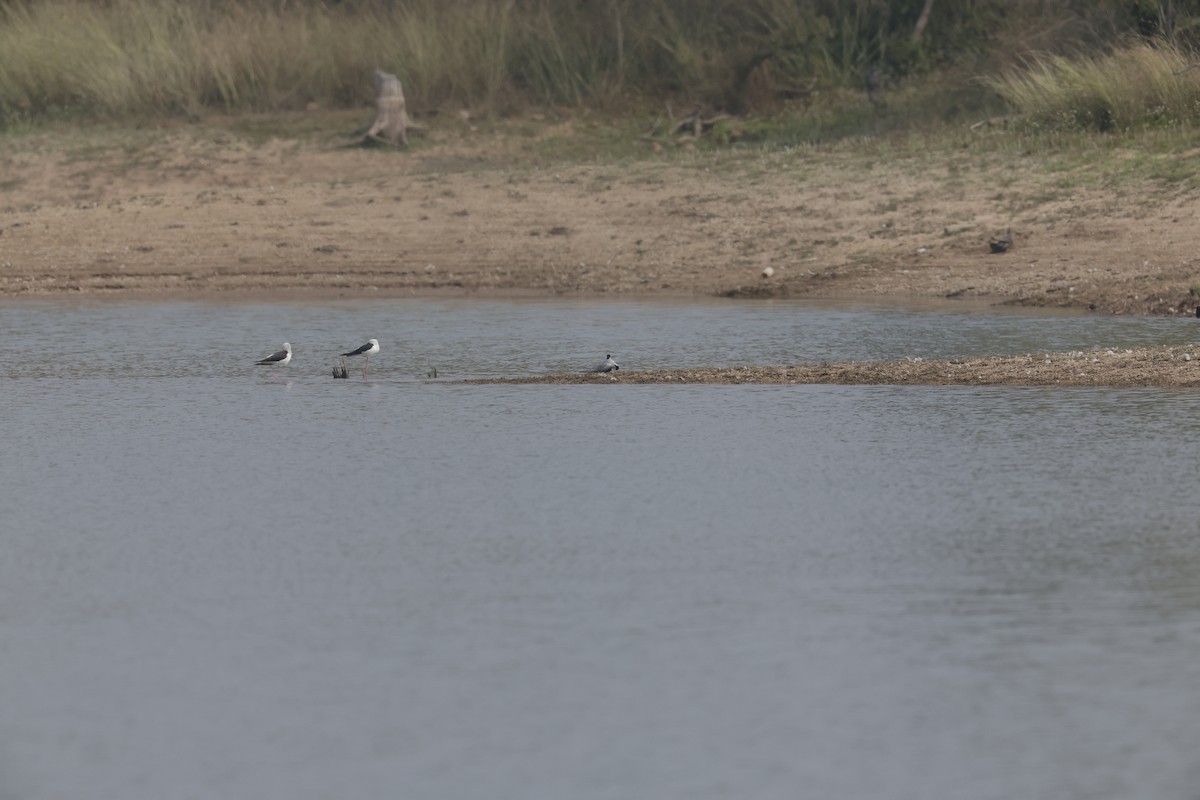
128	58
149	57
1144	85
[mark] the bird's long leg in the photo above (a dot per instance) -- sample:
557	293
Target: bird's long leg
366	366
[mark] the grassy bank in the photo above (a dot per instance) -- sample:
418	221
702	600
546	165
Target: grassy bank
124	58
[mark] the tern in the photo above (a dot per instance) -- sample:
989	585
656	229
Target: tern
608	365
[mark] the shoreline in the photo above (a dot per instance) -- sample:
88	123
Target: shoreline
1162	367
203	212
293	294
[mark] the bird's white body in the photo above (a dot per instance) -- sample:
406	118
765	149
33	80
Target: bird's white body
279	359
366	351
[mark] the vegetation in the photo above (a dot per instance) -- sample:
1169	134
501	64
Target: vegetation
1143	85
121	58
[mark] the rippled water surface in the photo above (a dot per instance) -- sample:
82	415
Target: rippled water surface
213	584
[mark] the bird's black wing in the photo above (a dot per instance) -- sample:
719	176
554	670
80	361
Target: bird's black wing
273	358
359	351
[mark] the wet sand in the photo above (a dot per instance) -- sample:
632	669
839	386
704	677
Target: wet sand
1175	367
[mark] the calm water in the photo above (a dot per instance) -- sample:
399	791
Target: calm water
216	585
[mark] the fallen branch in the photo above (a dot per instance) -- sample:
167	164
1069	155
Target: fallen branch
697	123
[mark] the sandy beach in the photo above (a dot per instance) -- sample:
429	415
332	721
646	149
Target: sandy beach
207	211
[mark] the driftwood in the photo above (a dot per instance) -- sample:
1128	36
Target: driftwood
391	118
697	123
990	122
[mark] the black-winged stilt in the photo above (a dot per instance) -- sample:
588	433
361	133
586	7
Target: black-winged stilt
367	350
279	359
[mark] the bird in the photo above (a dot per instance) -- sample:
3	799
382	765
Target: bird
608	365
366	351
1002	243
279	359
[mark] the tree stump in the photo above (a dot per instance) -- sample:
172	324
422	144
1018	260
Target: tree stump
391	118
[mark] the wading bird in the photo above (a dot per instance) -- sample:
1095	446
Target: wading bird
279	359
366	351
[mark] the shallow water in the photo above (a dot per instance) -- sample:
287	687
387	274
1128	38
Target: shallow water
216	585
471	338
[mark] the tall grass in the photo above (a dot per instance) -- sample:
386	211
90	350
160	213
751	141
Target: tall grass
158	56
114	58
1138	86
